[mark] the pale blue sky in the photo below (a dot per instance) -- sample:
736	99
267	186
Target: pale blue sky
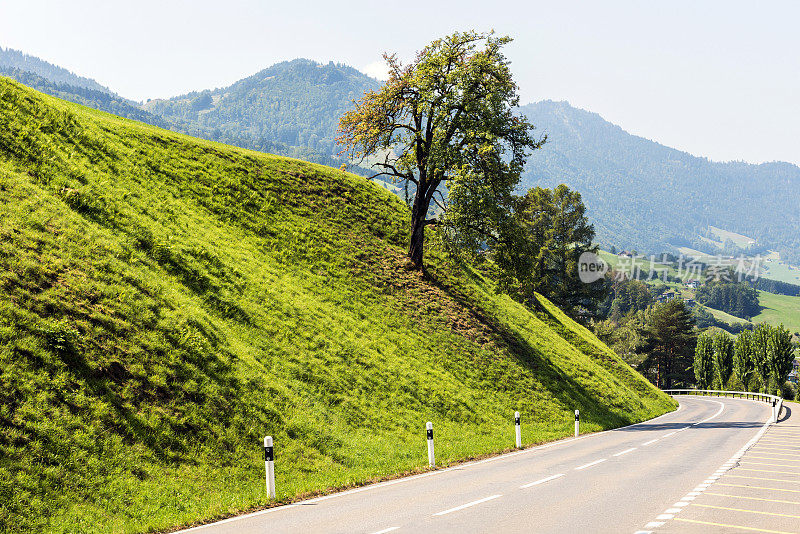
716	78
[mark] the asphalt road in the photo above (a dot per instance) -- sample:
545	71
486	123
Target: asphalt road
624	480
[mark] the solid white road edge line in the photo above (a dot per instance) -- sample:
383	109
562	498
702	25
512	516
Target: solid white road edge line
473	503
384	531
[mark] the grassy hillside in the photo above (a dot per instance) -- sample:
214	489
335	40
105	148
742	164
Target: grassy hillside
779	309
166	302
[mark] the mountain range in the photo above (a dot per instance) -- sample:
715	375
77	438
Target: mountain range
640	194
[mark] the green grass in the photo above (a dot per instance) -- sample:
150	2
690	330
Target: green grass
725	317
165	302
779	309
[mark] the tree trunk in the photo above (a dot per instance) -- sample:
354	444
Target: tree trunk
417	243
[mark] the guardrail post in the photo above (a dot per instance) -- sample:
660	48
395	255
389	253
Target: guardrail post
269	464
577	423
429	432
517	430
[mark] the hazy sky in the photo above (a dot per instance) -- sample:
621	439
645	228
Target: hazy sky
717	79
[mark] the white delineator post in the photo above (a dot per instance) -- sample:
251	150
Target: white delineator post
269	464
518	430
577	423
429	432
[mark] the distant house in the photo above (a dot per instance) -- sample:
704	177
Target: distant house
689	302
693	284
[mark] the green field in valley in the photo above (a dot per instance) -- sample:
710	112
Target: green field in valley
779	309
166	302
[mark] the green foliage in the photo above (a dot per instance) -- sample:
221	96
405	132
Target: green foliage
723	358
557	232
704	361
738	299
447	120
781	354
625	296
743	356
670	344
165	302
773	353
789	391
762	335
735	383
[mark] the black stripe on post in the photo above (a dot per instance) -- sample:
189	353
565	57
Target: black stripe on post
430	433
577	417
516	420
268	456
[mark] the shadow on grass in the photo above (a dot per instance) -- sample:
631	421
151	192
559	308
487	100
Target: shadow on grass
564	389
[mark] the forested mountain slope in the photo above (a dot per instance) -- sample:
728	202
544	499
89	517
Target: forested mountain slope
165	302
15	59
292	108
646	196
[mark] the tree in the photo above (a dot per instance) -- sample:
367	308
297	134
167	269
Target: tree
670	344
557	232
743	358
447	120
723	358
781	355
704	361
761	354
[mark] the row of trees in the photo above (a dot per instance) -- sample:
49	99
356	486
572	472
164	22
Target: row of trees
738	299
758	360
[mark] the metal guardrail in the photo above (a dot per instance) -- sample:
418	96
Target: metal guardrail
775	401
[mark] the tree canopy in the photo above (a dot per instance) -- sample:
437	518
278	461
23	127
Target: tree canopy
447	120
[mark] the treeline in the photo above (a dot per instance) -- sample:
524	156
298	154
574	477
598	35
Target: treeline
14	59
758	360
735	298
776	287
93	98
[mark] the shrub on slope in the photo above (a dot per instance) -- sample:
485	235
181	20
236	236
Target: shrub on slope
166	301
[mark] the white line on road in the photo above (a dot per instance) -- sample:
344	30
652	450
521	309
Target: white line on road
670	434
626	451
650	442
542	481
590	464
384	531
473	503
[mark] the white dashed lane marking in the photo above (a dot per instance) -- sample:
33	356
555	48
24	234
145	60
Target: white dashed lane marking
542	481
463	506
590	464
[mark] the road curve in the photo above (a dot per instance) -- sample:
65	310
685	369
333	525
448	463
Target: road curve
616	481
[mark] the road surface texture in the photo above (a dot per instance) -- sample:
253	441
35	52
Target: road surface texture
674	473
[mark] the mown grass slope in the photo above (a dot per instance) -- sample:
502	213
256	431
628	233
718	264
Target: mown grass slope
165	302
